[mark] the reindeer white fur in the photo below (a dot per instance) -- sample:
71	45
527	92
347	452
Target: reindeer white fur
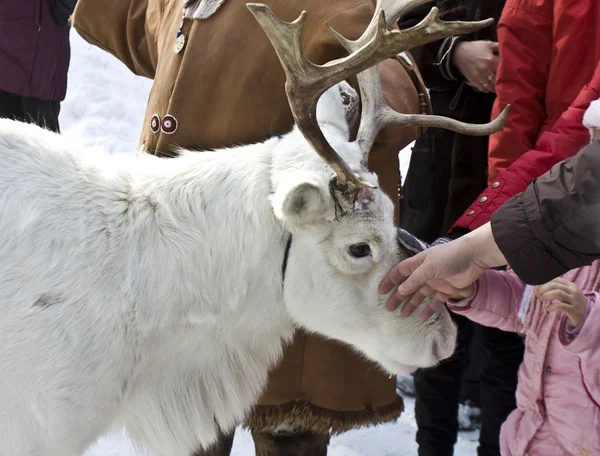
147	292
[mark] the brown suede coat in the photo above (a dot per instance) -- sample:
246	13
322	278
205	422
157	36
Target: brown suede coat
226	87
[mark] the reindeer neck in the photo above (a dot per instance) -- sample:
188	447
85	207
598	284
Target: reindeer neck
215	208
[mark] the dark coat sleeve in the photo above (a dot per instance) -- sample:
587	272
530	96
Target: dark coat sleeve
62	10
434	60
554	225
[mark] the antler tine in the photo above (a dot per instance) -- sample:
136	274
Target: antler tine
376	113
387	13
305	83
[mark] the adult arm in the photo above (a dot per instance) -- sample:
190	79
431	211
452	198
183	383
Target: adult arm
549	229
125	28
554	225
525	44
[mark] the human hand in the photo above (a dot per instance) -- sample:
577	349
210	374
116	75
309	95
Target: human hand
465	293
478	62
441	271
568	299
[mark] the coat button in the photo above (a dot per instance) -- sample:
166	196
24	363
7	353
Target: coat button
169	124
548	369
496	185
483	199
538	367
155	123
471	212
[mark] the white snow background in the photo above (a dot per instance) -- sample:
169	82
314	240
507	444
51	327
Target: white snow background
105	107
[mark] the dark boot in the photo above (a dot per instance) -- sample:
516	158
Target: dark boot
222	447
302	444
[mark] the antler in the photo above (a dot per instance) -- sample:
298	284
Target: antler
376	113
306	82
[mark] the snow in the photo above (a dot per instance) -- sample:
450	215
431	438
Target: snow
105	107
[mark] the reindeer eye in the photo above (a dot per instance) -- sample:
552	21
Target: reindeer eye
359	250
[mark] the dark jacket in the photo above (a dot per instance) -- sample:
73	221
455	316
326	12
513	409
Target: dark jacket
554	225
447	170
34	48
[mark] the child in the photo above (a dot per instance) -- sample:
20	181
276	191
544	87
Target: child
558	395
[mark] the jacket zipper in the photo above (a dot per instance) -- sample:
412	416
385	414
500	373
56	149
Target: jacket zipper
38	22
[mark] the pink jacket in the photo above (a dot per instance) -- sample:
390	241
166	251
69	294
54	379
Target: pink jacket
558	395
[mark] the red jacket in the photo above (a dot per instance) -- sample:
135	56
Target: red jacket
550	50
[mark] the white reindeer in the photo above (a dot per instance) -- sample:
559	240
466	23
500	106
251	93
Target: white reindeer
150	292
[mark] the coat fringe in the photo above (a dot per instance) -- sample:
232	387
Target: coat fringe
318	420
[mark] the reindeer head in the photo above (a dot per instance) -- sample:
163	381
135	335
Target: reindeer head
342	224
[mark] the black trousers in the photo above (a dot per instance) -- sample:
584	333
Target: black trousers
27	109
437	389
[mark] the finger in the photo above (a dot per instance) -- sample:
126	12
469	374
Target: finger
416	300
555	295
393	302
416	280
489	87
399	273
483	87
478	86
565	309
492	78
553	285
557	281
494	63
433	307
559	307
443	287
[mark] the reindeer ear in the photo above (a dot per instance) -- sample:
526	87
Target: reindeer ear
302	201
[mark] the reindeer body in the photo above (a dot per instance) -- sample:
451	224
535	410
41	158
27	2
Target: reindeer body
148	292
142	274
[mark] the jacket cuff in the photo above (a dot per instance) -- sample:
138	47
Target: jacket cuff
529	258
445	58
464	305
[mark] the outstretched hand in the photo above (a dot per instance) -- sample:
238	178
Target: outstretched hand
440	272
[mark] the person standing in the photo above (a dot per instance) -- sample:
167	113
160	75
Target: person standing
447	171
218	82
34	59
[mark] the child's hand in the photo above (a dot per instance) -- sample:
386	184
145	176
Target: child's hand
569	298
465	293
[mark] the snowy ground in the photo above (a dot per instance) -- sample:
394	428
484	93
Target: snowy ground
105	107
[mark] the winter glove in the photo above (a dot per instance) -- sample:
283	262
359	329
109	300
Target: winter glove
412	245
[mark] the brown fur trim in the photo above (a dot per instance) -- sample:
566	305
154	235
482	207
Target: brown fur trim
319	420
